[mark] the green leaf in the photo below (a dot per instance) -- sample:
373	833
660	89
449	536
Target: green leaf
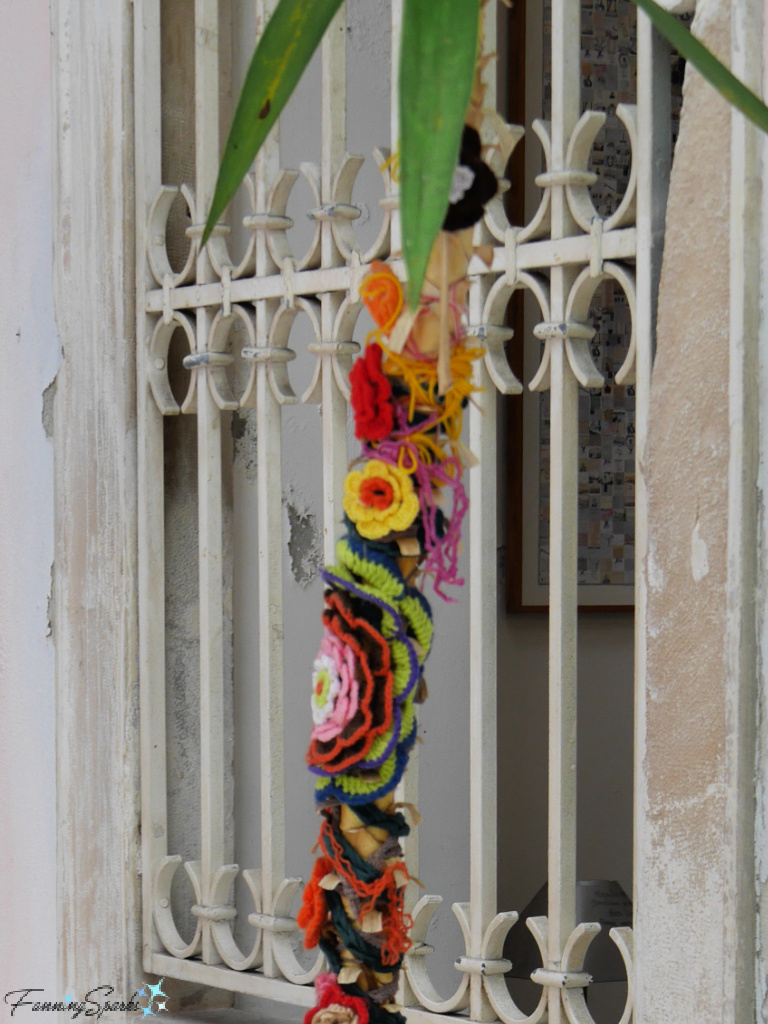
705	62
286	47
437	67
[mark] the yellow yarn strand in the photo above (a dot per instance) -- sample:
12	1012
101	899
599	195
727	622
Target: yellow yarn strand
421	378
392	164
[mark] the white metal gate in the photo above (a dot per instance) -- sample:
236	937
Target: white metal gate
561	256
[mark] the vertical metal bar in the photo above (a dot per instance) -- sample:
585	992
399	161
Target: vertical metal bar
334	406
566	24
397	21
269	490
483	600
270	527
151	547
266	168
482	667
562	658
209	480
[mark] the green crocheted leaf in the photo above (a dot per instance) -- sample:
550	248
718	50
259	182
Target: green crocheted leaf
705	62
437	66
291	37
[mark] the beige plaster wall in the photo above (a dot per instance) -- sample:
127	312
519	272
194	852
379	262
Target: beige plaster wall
684	880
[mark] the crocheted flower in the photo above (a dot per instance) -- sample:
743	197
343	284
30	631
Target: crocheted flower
474	185
371	396
382	294
361	645
380	499
334	688
335	1006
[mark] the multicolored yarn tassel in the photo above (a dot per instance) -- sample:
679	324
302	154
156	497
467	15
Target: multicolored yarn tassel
408	392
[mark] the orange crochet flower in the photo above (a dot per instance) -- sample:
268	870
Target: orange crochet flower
382	294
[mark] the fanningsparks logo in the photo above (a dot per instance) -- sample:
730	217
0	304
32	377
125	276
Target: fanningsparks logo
148	1000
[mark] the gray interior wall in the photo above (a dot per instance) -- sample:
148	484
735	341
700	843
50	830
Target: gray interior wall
605	664
606	697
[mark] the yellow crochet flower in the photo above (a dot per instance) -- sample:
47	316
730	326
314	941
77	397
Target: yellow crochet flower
380	499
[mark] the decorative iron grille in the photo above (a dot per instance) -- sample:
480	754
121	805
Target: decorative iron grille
237	318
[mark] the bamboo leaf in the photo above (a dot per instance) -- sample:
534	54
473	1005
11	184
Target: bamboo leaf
291	37
705	62
437	65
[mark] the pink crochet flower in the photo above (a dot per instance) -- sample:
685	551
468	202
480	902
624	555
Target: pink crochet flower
334	688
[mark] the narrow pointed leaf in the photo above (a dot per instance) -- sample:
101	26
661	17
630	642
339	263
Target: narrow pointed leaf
437	66
705	62
291	37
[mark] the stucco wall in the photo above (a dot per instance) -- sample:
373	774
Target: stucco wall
29	355
686	870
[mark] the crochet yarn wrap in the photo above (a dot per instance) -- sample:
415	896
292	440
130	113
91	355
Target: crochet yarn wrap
409	389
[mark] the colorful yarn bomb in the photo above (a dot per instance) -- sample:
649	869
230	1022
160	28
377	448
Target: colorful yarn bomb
334	688
380	499
359	645
313	913
382	294
367	571
404	501
372	887
357	787
371	397
474	185
373	576
335	1006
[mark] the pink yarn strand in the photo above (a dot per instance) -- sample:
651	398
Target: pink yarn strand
442	552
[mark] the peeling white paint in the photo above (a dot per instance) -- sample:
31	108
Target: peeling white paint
699	555
304	542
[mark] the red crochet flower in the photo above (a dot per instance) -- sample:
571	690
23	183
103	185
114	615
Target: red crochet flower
314	910
371	397
373	674
334	1005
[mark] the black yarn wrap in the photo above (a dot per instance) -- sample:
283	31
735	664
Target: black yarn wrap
352	940
469	209
377	1015
373	817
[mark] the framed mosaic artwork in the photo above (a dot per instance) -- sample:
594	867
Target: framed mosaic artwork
606	468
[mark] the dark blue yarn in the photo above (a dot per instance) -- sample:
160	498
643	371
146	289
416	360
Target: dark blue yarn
338	794
373	817
353	940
